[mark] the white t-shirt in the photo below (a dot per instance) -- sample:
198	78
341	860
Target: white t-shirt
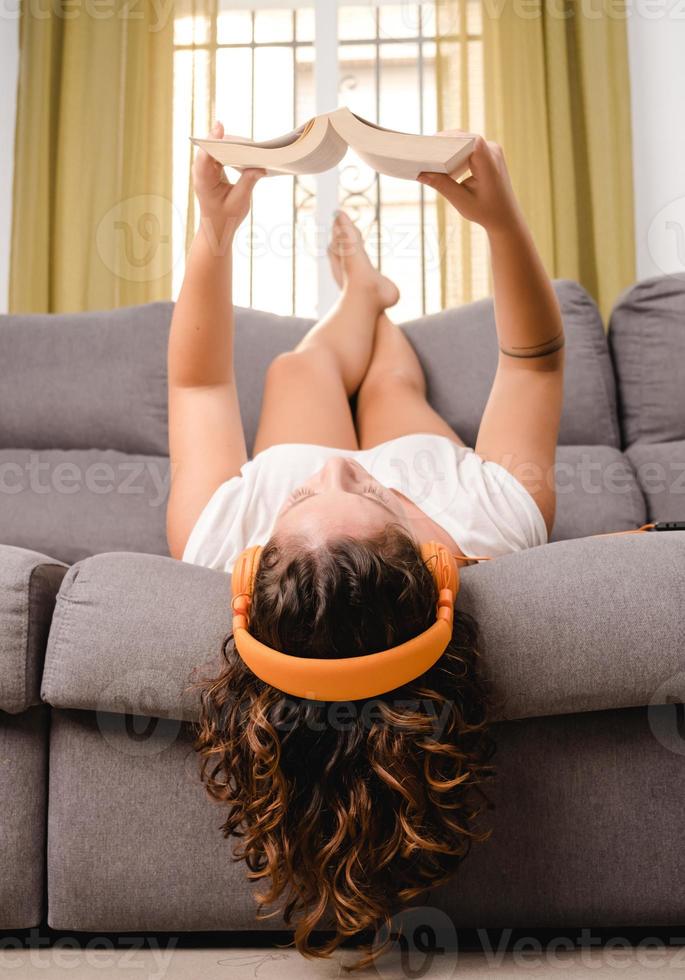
484	509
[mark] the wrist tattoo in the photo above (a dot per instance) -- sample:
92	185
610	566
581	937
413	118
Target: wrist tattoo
537	350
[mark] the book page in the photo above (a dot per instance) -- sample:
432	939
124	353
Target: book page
278	141
319	147
399	154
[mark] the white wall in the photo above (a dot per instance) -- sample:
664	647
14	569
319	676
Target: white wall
657	71
9	61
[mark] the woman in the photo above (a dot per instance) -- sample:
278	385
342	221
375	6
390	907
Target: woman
348	811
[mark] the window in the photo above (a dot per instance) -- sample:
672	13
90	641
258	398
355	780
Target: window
263	67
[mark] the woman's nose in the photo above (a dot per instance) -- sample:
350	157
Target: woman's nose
338	473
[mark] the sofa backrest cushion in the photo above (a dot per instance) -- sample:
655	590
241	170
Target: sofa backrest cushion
85	380
647	341
596	492
458	349
83	431
98	380
660	472
29	583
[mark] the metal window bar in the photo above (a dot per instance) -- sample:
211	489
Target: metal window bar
422	196
467	271
293	226
342	42
253	50
377	85
462	36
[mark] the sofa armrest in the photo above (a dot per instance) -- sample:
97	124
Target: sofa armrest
28	586
579	625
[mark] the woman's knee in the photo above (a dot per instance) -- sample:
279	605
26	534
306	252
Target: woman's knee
292	365
392	383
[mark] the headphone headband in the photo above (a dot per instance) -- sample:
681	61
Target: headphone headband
347	678
354	678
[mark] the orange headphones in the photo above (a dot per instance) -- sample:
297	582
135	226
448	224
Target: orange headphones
348	678
355	678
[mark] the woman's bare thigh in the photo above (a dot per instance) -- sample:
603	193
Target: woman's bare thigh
305	400
390	407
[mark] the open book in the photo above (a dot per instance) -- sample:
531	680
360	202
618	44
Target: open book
321	143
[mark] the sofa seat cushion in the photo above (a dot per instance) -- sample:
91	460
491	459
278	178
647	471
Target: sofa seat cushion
28	586
561	628
660	471
76	503
647	341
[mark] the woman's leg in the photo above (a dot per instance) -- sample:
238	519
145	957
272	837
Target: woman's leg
307	390
391	401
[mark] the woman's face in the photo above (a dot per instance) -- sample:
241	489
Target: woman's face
342	498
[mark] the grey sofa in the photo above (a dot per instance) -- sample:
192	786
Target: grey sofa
583	640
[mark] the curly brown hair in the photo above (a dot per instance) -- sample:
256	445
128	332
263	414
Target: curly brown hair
348	810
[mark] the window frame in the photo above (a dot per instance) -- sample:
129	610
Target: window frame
326	45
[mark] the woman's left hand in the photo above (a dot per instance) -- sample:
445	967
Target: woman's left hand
219	199
485	197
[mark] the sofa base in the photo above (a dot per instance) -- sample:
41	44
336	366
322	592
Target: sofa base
23	778
587	829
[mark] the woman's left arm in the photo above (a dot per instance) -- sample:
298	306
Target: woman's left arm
520	425
206	439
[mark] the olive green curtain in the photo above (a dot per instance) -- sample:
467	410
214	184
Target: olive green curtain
557	97
464	272
196	30
92	210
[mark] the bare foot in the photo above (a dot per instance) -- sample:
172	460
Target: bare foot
351	265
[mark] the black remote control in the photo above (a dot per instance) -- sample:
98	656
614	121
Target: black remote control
669	526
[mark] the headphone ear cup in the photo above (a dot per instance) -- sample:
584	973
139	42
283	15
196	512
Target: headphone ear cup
441	565
244	571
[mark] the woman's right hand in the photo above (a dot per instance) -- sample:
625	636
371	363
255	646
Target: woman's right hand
220	200
485	197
